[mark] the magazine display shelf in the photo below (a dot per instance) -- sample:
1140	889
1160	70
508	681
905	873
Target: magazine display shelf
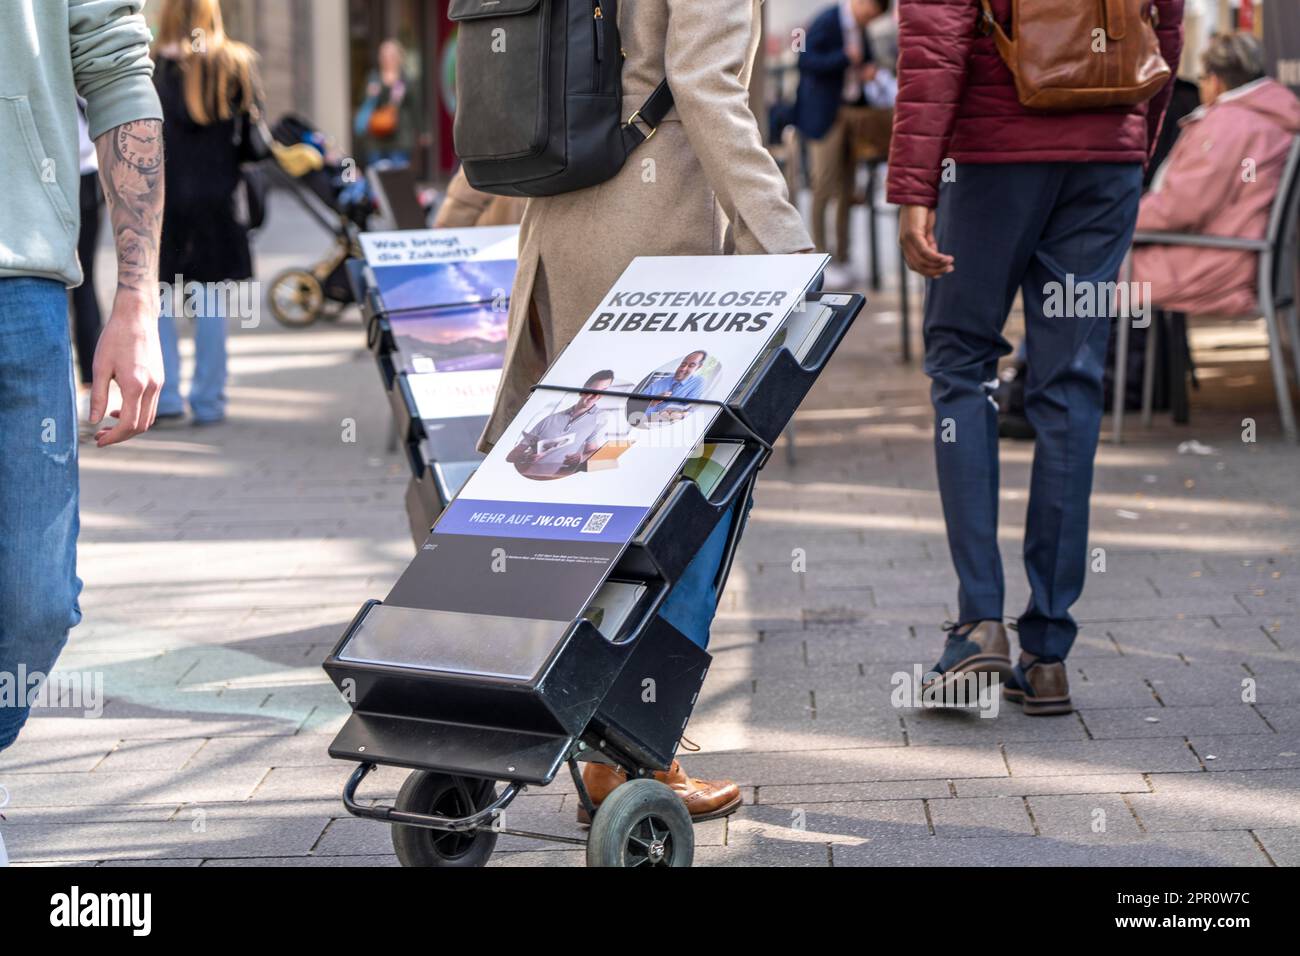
427	494
486	703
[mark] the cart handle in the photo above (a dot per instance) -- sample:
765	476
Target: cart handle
427	820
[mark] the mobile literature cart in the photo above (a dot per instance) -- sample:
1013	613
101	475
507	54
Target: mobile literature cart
526	636
435	302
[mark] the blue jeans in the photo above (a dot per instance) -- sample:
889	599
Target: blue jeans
38	491
1039	229
693	601
208	389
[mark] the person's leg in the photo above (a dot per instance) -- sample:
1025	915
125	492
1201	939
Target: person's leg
170	403
847	185
1080	252
86	320
824	160
693	601
989	218
208	390
38	491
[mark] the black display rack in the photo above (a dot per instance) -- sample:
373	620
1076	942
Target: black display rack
433	483
495	705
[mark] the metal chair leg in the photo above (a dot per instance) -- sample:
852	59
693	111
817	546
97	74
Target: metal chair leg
1121	369
1281	384
1149	367
904	310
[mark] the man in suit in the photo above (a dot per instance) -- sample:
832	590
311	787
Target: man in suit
835	65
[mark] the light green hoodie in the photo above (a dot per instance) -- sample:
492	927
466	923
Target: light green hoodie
51	50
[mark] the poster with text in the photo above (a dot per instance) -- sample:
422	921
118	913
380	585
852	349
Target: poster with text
576	473
447	295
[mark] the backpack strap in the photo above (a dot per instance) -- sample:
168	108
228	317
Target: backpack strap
651	114
988	24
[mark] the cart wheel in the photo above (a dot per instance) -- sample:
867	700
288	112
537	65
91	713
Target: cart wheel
445	796
642	823
296	298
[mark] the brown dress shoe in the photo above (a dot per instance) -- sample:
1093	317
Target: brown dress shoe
1042	687
704	799
978	647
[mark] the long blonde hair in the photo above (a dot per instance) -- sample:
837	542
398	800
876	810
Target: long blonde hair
220	74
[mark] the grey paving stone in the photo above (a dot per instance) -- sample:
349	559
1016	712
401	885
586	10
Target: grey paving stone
762	854
130	787
1072	758
1281	844
359	862
837	766
822	823
147	754
1172	722
1031	786
1263	752
1220	801
979	817
950	726
1079	816
1227	848
806	794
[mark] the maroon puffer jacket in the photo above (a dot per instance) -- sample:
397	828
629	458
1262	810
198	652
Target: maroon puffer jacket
957	99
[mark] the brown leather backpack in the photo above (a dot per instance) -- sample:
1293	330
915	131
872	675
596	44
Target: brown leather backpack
1080	54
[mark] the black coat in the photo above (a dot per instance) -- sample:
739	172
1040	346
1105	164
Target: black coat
202	238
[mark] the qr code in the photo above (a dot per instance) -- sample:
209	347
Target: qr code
596	523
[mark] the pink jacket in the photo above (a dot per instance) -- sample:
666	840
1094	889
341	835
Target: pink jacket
1220	179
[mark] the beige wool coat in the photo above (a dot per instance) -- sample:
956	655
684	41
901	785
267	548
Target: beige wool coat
704	184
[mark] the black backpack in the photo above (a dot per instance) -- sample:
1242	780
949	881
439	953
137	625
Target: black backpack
539	96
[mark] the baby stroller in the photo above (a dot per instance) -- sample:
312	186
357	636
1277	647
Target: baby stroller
335	195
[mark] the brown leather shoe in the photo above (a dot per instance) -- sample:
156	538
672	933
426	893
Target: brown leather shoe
1042	687
977	647
704	799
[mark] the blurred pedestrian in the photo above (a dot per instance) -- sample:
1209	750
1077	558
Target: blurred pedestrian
387	124
50	53
997	198
465	206
710	166
87	321
836	70
1220	179
209	91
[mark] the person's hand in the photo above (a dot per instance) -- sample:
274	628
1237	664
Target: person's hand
916	236
572	461
129	354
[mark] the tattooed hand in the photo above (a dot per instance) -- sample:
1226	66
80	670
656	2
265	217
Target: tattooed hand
131	169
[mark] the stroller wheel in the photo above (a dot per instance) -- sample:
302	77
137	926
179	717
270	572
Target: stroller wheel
642	823
444	796
296	298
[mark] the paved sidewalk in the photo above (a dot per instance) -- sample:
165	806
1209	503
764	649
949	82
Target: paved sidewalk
221	564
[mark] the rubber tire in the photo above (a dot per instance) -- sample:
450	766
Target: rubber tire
306	283
624	816
427	792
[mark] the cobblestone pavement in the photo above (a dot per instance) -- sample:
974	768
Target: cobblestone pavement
221	564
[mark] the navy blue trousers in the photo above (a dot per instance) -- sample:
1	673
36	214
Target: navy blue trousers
1052	232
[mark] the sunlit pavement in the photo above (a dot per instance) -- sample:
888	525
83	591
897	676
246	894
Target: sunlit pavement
222	563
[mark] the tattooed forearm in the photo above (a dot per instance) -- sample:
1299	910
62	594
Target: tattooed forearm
131	169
